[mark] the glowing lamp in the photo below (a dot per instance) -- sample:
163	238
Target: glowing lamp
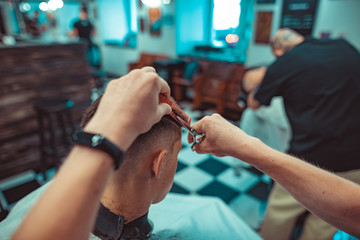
55	4
43	6
232	39
24	7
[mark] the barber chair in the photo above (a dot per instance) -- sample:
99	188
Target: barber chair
206	84
146	59
229	92
3	212
183	81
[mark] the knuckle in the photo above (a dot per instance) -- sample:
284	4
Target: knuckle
136	70
112	84
148	68
152	78
206	118
135	73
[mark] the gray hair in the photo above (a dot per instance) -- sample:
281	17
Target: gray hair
285	39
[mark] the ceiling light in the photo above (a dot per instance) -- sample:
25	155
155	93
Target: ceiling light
152	3
24	7
44	6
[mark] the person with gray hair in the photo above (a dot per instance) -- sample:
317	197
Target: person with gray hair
284	40
319	81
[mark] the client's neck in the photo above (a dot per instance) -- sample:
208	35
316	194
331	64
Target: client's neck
127	199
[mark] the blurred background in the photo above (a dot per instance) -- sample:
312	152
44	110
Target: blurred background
57	56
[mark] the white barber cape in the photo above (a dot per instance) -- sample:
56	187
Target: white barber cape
176	217
193	217
269	123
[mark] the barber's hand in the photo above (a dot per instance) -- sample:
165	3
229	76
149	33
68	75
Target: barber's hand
222	138
130	106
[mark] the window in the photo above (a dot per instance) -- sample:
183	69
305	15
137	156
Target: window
118	22
214	29
225	21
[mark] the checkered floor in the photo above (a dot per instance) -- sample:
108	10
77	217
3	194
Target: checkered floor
242	187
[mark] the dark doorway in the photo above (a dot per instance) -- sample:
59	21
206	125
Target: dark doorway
2	25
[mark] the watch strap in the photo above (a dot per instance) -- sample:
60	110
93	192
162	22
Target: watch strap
98	141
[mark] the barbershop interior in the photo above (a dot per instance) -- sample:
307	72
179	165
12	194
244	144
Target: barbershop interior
58	56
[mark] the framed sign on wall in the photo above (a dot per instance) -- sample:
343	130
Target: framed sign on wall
155	21
265	1
263	27
299	15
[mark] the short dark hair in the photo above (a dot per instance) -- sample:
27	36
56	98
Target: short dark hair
84	9
165	132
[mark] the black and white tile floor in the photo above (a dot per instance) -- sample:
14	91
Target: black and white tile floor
242	187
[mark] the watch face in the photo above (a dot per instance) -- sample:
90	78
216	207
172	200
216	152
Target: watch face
96	140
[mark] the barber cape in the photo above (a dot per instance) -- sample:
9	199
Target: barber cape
188	217
176	217
268	123
108	225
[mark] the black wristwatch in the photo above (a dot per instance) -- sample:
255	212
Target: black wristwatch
99	142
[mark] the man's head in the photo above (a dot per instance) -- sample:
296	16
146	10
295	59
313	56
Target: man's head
150	161
83	13
284	40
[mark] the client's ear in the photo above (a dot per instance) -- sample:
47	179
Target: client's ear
158	162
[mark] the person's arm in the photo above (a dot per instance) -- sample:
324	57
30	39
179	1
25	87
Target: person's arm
253	78
334	199
251	101
73	33
93	31
251	81
68	208
270	81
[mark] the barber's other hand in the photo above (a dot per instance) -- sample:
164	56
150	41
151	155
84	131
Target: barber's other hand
222	138
130	106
